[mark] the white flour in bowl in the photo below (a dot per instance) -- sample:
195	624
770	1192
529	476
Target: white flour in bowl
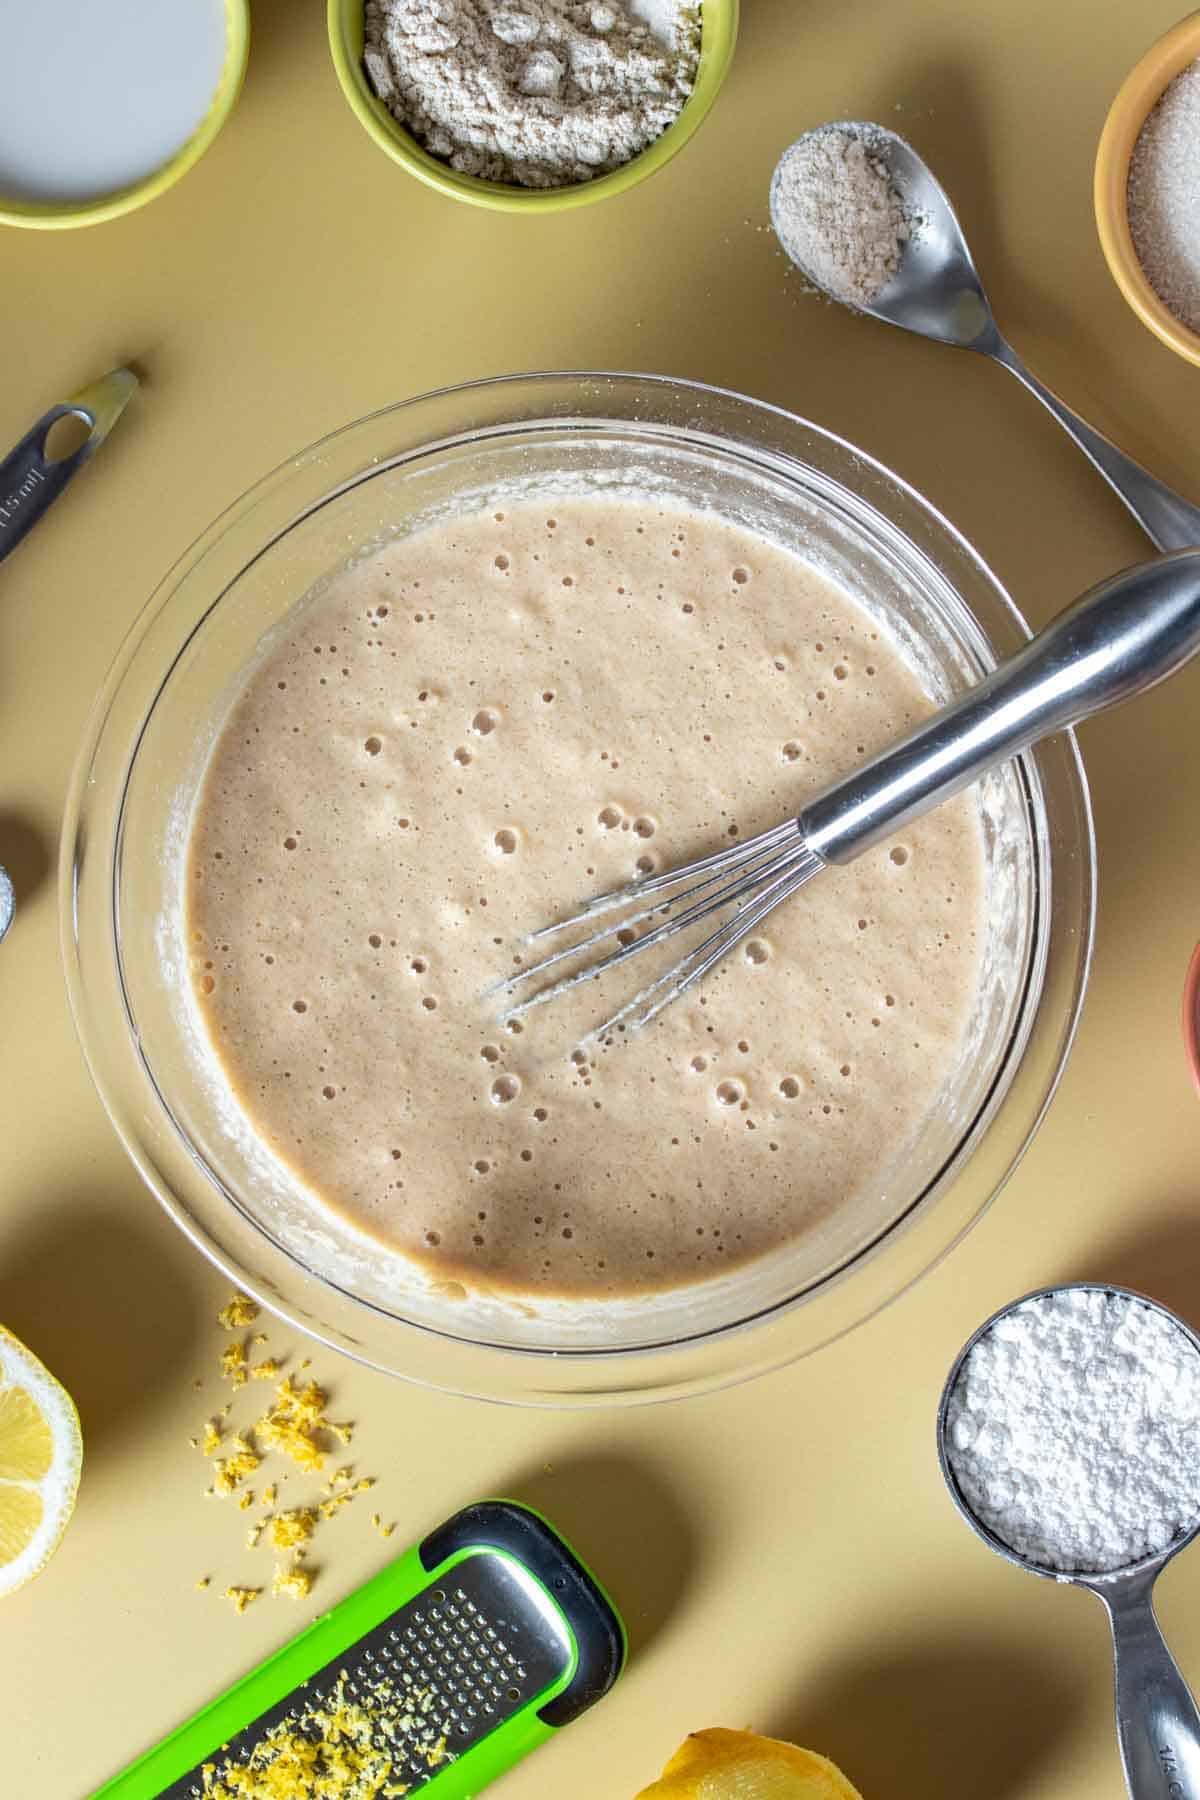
535	93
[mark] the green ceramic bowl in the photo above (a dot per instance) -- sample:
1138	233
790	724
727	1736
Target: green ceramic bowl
718	34
52	215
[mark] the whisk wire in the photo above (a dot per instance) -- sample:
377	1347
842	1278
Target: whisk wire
772	861
703	956
720	862
778	858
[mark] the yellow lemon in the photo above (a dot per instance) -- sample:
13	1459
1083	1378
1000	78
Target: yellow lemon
739	1765
41	1452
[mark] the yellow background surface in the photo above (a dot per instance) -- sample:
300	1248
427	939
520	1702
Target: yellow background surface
785	1553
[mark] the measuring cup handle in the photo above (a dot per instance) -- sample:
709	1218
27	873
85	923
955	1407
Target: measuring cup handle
1158	1724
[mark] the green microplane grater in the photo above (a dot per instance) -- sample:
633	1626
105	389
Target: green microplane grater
491	1628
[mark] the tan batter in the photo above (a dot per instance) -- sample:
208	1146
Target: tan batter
462	736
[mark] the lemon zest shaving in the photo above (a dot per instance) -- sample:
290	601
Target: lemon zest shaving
241	1597
336	1748
292	1581
287	1529
233	1363
240	1312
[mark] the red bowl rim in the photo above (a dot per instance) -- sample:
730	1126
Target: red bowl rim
1191	1015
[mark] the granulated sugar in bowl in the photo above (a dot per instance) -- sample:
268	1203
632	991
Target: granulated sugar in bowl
1144	190
1164	197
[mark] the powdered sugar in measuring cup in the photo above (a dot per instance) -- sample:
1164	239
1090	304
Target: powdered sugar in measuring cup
1069	1437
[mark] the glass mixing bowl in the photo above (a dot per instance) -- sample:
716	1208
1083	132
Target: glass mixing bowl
125	838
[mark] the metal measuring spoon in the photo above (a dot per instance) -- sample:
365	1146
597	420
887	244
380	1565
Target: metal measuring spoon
936	292
31	481
1158	1724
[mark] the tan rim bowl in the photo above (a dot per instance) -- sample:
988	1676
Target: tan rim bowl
1138	96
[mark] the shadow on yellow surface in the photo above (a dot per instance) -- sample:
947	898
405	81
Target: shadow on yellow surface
1159	1257
633	1530
912	1720
25	853
100	1302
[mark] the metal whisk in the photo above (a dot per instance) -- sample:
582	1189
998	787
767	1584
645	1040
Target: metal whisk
1120	638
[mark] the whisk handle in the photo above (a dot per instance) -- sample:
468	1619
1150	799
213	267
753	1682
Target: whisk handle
1120	638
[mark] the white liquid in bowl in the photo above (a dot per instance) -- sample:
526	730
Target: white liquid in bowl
97	94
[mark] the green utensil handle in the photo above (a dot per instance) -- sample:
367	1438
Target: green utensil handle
501	1529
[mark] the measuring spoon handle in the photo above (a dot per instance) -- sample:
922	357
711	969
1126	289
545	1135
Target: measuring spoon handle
1169	521
1158	1724
30	482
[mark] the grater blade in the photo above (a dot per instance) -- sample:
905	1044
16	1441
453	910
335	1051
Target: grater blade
463	1657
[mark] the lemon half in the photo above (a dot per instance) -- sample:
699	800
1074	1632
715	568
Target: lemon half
739	1765
41	1454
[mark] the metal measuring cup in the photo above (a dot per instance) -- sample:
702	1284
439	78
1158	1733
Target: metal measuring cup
1158	1723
